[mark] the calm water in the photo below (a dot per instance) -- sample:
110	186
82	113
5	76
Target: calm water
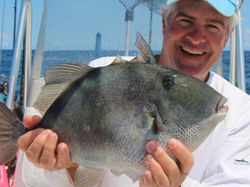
56	57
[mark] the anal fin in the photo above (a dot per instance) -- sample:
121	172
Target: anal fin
88	177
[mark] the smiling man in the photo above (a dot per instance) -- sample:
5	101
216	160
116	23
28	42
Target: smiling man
194	36
195	33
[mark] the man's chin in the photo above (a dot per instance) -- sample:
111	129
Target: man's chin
194	71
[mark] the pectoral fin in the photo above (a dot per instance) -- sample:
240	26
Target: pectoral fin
152	122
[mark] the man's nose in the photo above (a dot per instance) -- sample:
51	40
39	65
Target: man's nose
197	36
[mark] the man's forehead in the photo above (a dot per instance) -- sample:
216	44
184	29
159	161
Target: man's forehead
184	4
225	7
191	8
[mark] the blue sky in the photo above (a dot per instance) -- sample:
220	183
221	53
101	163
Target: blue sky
74	24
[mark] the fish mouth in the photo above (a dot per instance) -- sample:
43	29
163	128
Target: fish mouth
221	106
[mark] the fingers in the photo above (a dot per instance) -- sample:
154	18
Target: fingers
162	167
183	155
147	180
47	157
63	156
25	140
164	170
36	149
41	147
157	175
42	150
168	164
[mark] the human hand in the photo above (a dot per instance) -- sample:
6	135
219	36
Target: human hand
41	148
162	170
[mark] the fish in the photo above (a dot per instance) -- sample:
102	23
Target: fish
107	115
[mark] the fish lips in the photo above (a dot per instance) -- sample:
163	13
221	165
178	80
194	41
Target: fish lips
222	107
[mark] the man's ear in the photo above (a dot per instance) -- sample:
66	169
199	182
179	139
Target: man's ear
225	42
163	24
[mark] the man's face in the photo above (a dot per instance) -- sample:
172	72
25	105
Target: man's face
194	37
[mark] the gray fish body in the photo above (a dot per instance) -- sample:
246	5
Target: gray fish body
108	116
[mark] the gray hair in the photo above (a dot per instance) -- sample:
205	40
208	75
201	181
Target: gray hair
233	20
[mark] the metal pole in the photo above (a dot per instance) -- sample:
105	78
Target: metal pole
218	66
150	23
127	38
1	37
240	58
128	18
35	77
28	55
17	54
232	71
14	28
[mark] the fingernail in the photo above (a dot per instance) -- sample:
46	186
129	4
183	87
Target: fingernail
151	147
52	137
45	134
172	143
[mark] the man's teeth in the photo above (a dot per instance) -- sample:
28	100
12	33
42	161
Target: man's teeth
193	52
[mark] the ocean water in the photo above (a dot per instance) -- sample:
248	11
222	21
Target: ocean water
57	57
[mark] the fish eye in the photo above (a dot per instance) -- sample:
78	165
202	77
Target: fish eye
168	81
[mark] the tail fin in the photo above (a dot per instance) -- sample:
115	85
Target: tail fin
10	129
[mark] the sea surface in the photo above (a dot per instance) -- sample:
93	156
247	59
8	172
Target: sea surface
57	57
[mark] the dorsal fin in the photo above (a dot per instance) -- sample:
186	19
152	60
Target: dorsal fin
57	79
66	72
144	49
138	59
118	60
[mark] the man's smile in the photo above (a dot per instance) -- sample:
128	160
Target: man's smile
192	52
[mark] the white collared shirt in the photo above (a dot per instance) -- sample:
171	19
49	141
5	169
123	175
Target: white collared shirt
222	160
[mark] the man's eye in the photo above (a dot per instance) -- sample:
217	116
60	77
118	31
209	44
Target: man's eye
185	22
213	28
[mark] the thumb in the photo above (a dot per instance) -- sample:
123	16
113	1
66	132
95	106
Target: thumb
31	121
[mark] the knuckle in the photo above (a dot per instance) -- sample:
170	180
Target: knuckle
160	152
39	141
29	154
161	183
171	167
21	144
45	162
60	166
